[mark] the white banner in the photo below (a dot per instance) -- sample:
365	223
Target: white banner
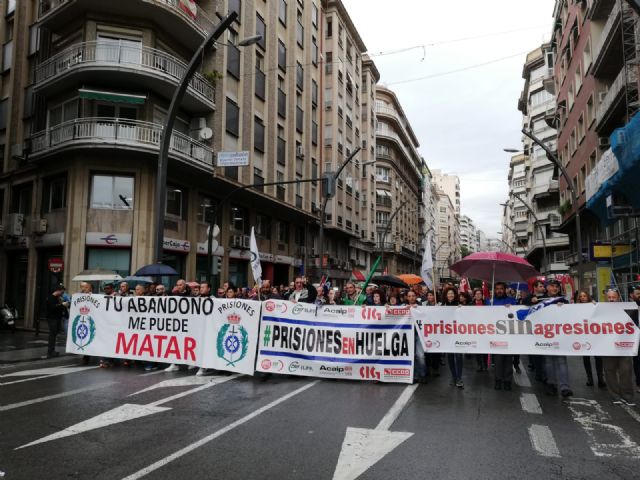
336	341
207	332
601	329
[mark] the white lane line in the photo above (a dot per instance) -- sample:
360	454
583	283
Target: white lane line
522	379
12	406
542	441
176	382
42	373
530	403
148	374
393	413
203	441
605	439
635	415
211	381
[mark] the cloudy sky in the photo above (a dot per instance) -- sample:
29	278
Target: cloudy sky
463	120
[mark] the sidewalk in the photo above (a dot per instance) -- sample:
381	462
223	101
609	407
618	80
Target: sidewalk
24	345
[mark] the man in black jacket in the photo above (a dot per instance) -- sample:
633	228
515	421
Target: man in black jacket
55	311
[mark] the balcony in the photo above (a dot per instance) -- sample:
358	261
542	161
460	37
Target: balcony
115	64
612	103
189	26
545	190
549	81
121	134
598	9
409	152
607	53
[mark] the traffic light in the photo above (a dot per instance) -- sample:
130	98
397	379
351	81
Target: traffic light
328	185
217	265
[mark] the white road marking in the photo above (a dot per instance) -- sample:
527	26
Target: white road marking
176	382
124	413
635	415
522	379
530	403
542	441
606	440
156	372
41	373
38	342
12	406
362	448
203	441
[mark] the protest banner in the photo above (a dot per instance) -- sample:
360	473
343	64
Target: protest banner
207	332
336	341
601	329
232	336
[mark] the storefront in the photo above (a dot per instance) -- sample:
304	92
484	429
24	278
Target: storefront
16	250
111	251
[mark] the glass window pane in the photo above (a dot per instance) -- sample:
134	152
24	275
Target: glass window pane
110	258
123	193
102	191
174	201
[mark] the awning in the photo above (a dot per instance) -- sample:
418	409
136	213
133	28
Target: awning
114	97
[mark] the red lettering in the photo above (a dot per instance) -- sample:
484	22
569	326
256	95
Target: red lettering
482	329
619	328
189	346
348	346
172	348
126	347
146	346
160	339
630	327
566	329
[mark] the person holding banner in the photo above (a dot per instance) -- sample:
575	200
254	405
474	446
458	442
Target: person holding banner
536	362
618	370
556	365
420	368
456	360
584	297
503	363
481	358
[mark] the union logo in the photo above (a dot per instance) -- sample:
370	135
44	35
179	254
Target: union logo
83	329
233	340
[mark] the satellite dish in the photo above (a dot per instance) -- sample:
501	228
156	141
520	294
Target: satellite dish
206	133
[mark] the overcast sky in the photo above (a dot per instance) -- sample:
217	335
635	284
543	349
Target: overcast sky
465	119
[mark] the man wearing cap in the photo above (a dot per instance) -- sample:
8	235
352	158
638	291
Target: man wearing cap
556	365
55	311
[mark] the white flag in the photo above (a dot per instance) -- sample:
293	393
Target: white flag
256	268
426	271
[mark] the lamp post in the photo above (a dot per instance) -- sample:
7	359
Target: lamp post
328	192
536	223
163	160
509	247
515	234
574	197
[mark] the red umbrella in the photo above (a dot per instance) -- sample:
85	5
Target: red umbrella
493	266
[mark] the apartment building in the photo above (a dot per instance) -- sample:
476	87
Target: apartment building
449	184
468	234
448	250
515	213
546	249
595	83
85	90
399	186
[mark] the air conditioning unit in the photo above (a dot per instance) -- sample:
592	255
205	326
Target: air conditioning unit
39	226
246	241
602	95
603	142
364	144
300	151
15	225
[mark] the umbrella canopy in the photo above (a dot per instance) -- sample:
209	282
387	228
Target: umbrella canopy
411	279
389	280
156	270
97	275
492	266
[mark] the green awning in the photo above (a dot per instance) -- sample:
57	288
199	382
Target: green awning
111	96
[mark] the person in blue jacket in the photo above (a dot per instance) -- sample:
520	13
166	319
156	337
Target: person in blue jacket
503	363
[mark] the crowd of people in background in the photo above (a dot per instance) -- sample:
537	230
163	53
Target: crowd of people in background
615	373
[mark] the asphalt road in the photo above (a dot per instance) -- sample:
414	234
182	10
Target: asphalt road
61	420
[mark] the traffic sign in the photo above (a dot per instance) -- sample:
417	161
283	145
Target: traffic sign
232	159
55	265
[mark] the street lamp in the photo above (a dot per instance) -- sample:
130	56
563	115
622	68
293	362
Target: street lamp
574	196
505	243
163	160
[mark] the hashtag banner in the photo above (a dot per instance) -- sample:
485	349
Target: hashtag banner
335	341
549	328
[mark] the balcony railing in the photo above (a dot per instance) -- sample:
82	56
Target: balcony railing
96	131
605	37
611	97
196	17
135	57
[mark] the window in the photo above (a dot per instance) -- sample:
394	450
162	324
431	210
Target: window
314	93
261	29
112	192
174	205
282	231
34	39
282	56
263	226
329	27
116	259
299	30
7	55
21	199
260	78
233	60
328	63
63	112
54	194
314	15
581	131
11	6
299	76
258	134
233	118
578	78
239	219
282	13
282	101
314	51
591	116
234	6
540	98
282	147
206	209
4	105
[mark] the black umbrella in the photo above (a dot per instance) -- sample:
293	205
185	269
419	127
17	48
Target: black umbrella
389	280
156	270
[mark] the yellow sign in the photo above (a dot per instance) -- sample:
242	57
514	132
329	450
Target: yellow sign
603	281
608	251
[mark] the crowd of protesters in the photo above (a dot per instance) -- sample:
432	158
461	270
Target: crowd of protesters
614	373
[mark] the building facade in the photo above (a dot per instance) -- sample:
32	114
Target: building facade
468	235
399	186
448	237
